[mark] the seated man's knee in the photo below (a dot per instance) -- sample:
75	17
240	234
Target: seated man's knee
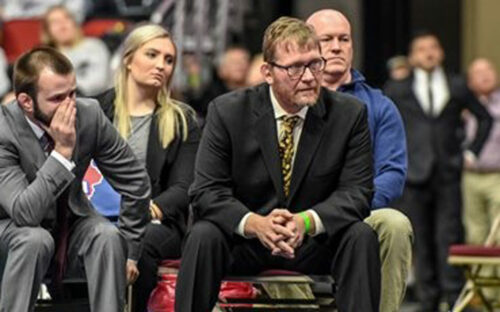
36	240
107	233
391	224
361	234
401	224
206	233
158	238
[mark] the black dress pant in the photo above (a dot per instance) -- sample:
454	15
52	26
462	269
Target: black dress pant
351	257
161	241
434	208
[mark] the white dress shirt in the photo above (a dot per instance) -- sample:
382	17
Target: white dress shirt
39	132
297	131
439	87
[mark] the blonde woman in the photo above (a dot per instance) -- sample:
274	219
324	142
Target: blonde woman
89	56
164	136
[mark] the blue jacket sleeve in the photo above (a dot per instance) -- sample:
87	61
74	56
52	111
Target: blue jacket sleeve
389	154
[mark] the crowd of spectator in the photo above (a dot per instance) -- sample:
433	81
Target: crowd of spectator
434	140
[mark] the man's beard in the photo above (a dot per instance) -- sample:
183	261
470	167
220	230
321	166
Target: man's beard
306	103
40	116
309	101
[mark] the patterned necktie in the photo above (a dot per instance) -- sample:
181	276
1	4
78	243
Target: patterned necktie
47	144
286	149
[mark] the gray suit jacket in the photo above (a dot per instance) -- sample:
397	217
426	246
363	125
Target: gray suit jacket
30	182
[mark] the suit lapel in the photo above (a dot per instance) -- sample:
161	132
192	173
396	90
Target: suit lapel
265	133
416	102
30	146
155	156
310	138
448	85
413	96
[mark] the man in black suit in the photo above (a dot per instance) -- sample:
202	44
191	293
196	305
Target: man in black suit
431	103
283	179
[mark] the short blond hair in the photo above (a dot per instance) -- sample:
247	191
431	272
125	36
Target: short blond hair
288	30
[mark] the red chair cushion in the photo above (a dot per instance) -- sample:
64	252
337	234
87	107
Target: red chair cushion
173	264
19	36
474	250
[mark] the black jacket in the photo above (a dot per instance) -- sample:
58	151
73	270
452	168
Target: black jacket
238	167
170	169
435	143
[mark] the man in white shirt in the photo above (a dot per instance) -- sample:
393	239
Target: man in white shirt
431	103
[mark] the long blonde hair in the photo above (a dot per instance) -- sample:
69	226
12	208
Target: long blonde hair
171	114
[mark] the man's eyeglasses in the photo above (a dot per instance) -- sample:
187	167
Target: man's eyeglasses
295	71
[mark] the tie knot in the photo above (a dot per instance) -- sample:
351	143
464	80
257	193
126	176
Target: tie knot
429	76
290	121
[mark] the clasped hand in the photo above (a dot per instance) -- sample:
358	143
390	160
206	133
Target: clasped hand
280	231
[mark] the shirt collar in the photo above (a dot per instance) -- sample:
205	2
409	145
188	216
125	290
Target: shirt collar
496	94
494	97
421	74
356	77
39	132
280	112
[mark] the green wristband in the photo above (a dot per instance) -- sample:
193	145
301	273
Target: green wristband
307	221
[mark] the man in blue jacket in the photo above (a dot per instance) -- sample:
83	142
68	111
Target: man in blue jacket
389	152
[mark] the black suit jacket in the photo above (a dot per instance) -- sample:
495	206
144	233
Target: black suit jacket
238	166
435	143
170	169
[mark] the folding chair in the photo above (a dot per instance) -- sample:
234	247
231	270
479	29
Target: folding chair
473	258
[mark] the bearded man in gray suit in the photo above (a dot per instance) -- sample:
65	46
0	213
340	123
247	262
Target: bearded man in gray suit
47	225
